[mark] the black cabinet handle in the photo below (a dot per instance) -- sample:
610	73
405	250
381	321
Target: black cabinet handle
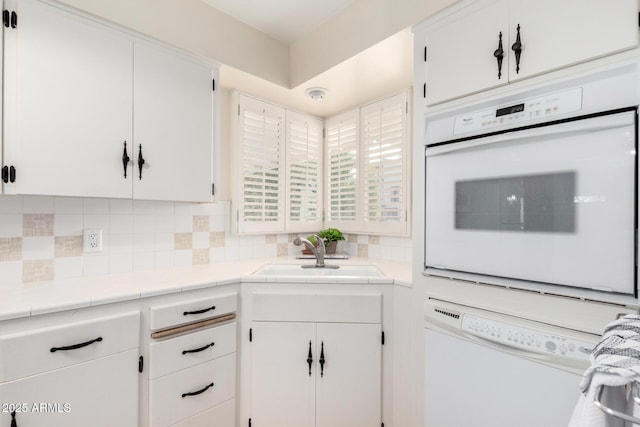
6	18
125	159
140	161
310	358
75	346
322	360
12	174
14	19
517	48
499	55
195	393
204	310
198	350
5	174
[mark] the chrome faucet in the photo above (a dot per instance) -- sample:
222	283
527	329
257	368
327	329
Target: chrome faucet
318	251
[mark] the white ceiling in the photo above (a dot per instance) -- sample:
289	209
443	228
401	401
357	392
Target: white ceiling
381	70
284	20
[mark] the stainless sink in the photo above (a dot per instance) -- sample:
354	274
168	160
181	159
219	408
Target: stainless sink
299	270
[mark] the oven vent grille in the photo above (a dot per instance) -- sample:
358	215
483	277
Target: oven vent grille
447	313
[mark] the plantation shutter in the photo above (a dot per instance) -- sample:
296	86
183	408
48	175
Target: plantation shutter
384	166
261	165
304	173
342	171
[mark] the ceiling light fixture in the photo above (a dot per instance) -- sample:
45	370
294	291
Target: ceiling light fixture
316	93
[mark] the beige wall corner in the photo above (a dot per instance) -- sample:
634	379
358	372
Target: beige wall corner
361	25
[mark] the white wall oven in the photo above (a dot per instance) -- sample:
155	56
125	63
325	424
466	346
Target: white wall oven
539	186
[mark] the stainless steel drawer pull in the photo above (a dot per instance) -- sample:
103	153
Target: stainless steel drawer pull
198	350
195	393
75	346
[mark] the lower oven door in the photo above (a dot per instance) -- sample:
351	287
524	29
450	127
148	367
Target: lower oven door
553	204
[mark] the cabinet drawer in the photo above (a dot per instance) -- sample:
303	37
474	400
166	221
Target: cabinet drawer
41	350
182	312
192	349
169	401
223	415
282	307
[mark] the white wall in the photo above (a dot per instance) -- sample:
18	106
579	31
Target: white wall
195	27
361	25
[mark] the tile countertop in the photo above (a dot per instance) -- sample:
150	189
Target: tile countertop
59	295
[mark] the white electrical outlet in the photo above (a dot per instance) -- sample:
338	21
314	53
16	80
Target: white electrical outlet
92	240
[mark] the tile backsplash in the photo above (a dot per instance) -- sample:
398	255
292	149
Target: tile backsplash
41	238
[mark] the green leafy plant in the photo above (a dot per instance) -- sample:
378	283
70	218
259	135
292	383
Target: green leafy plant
330	235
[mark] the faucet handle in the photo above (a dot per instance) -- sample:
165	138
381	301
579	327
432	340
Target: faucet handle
320	244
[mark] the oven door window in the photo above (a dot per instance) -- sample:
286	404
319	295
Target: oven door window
526	203
554	204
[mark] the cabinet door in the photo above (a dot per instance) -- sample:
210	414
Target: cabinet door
173	125
560	33
99	393
67	104
460	52
349	390
282	384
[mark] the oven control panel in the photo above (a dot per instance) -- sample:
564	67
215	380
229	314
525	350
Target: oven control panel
520	112
526	338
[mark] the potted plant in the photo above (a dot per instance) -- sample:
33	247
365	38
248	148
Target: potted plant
331	236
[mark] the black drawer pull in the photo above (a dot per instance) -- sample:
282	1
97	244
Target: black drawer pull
195	393
204	310
5	174
198	350
75	346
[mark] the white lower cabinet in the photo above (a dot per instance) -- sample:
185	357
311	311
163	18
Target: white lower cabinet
192	361
316	374
63	371
315	360
98	393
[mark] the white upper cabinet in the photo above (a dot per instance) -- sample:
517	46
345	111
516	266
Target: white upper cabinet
463	51
172	125
81	97
460	52
67	104
555	33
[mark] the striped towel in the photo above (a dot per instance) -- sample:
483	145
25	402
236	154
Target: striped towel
615	362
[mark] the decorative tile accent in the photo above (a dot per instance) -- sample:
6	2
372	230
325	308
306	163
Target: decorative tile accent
37	225
270	239
37	270
374	240
216	239
200	256
283	249
11	249
67	246
182	241
363	250
200	223
352	238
